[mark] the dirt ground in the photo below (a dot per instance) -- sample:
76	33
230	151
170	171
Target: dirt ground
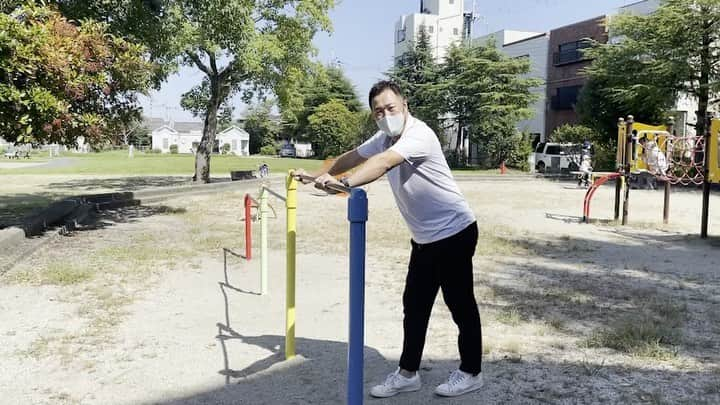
147	308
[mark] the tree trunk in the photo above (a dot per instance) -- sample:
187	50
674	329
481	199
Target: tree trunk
205	148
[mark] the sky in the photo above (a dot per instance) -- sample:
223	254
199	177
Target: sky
362	40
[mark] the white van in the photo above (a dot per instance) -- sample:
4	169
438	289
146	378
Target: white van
557	157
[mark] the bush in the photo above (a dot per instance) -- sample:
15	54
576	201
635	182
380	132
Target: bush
225	148
573	134
522	148
268	150
156	150
174	149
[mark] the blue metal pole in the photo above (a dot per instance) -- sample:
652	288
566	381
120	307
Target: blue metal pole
357	215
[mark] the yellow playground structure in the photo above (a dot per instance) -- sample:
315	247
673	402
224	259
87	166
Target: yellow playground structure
686	160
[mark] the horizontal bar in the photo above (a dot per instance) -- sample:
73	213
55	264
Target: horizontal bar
273	193
334	187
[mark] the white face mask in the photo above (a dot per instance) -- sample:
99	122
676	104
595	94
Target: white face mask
391	125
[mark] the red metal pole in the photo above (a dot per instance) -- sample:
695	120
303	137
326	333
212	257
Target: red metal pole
248	227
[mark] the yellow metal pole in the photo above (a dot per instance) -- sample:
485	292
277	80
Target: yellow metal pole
291	205
713	147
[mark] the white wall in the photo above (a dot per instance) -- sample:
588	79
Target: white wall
444	27
536	49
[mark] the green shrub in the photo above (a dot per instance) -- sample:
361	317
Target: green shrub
268	150
573	134
156	150
174	149
225	148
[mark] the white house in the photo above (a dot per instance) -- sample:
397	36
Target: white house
187	135
534	47
237	138
443	21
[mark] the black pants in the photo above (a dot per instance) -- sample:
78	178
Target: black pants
447	265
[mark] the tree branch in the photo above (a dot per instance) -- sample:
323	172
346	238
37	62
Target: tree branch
199	63
213	62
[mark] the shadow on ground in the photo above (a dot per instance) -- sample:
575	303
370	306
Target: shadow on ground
121	183
584	285
318	376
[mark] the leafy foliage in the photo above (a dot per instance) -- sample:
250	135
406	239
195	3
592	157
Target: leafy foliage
573	134
262	129
486	93
321	86
60	81
673	51
333	129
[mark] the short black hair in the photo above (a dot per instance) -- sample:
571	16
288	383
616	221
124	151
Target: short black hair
381	86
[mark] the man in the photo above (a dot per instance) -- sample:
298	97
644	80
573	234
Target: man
444	235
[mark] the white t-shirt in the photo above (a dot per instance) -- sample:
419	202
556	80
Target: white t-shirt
424	189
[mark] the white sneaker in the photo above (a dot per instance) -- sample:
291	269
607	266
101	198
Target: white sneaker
395	383
459	383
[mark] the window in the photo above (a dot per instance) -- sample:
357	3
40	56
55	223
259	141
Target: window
166	143
554	150
456	31
565	98
431	29
452	1
400	36
234	144
570	52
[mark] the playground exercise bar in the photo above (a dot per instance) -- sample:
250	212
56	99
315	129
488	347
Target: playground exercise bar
248	227
291	205
265	188
263	242
334	187
357	216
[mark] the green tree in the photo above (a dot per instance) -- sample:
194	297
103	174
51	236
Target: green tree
322	85
333	129
262	129
243	46
196	100
574	134
416	73
60	81
486	94
673	51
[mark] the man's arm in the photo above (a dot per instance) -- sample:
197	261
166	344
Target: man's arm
345	162
375	167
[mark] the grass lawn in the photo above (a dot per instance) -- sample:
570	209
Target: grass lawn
118	163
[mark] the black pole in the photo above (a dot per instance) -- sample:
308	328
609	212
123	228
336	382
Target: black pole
706	180
628	159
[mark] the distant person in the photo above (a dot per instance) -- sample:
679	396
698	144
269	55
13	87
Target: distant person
655	161
264	170
585	171
654	158
444	235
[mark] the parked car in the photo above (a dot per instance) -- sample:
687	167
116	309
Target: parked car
557	157
287	150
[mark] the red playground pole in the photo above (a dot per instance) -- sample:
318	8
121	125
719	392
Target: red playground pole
248	227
